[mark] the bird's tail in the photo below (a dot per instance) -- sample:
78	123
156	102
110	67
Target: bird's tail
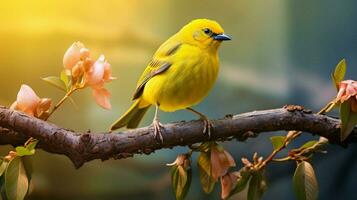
132	117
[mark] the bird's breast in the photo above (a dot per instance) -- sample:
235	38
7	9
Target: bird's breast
184	84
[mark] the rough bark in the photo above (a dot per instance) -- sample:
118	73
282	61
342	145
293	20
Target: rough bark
16	127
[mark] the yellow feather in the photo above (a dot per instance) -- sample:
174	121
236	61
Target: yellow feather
181	72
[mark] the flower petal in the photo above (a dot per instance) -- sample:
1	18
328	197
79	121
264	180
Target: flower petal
27	100
13	106
101	96
95	75
84	53
72	55
340	93
347	82
350	90
107	72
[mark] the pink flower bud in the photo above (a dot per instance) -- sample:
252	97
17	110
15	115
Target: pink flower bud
27	100
347	89
73	55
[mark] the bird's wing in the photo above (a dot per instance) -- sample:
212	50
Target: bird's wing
160	63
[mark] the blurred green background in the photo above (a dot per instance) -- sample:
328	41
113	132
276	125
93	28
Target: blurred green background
282	52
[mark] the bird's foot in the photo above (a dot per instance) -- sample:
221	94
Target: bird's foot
157	130
207	126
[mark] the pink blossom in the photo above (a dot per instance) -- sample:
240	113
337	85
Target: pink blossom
74	54
28	102
99	73
96	76
87	73
347	89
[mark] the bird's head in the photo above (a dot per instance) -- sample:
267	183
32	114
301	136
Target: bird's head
204	33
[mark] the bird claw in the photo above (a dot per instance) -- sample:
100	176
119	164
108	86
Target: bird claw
157	130
207	126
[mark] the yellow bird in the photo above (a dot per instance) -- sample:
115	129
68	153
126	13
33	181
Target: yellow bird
180	74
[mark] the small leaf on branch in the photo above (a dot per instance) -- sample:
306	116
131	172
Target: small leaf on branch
308	148
31	145
204	167
181	175
64	78
305	182
3	165
348	119
57	82
220	161
308	144
181	181
242	181
28	165
277	141
339	72
22	151
257	186
16	182
227	183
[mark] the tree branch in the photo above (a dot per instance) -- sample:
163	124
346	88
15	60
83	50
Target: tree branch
16	127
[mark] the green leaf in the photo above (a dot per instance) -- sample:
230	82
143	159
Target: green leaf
204	161
64	78
2	188
57	82
348	119
204	167
277	141
257	186
3	165
305	182
181	181
16	182
28	164
31	146
244	176
309	144
22	151
339	72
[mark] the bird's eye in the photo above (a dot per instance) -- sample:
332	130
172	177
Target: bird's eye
207	31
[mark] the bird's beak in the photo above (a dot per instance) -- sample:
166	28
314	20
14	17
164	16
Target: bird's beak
221	37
